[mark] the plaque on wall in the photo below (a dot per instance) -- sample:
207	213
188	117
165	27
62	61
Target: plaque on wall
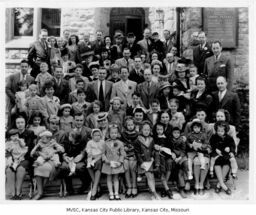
221	24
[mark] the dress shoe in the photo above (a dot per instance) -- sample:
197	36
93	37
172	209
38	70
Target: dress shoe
93	197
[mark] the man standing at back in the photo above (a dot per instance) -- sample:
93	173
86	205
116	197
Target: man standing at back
98	44
146	43
38	52
218	65
201	52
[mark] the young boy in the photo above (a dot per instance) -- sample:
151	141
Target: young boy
43	77
193	73
154	111
32	102
195	140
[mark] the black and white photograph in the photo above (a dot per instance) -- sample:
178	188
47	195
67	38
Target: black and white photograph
118	103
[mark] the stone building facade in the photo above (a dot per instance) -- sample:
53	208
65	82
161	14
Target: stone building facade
81	20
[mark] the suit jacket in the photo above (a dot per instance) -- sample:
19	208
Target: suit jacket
126	96
145	48
123	62
12	85
38	52
93	93
61	90
82	48
171	70
158	46
168	47
138	78
147	95
229	102
97	47
222	67
200	55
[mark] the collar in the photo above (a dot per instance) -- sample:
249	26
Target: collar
223	92
218	57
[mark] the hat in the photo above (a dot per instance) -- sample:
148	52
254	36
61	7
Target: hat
11	132
196	122
116	98
87	53
130	35
114	68
54	118
65	106
155	34
180	67
101	116
96	130
166	151
94	64
45	133
165	85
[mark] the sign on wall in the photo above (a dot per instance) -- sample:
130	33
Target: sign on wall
221	24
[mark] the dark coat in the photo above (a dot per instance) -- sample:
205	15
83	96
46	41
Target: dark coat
61	90
134	76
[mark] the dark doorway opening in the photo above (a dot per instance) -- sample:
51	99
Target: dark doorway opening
127	20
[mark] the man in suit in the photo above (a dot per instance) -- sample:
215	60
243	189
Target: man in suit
137	73
12	82
83	46
147	89
146	43
98	44
126	60
38	52
201	52
101	90
132	45
168	43
218	65
225	99
158	46
124	88
170	63
61	85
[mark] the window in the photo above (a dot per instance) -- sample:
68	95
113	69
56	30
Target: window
51	21
23	21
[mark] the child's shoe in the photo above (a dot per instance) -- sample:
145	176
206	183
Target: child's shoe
190	176
211	174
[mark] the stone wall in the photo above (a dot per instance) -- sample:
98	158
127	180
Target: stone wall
192	21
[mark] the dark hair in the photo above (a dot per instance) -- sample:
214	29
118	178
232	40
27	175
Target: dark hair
124	67
223	124
79	80
79	91
36	114
69	40
176	101
24	61
79	66
226	113
52	37
48	84
79	114
217	41
155	101
126	119
176	128
19	115
160	114
125	49
201	78
160	124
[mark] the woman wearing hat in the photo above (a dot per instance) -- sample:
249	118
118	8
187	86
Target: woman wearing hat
181	74
15	179
102	120
164	95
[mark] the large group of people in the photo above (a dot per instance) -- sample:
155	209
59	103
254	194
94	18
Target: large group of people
122	108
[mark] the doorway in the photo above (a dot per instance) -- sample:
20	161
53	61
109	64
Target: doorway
127	20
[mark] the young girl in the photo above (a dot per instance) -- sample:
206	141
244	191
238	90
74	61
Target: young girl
94	149
139	116
195	140
66	120
91	119
15	149
128	137
154	111
162	145
116	115
113	158
178	144
219	141
146	156
193	74
178	118
32	102
47	149
21	96
36	123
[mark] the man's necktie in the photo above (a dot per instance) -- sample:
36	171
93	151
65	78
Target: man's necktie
101	93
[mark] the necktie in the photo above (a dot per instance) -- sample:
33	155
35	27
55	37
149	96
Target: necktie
220	96
148	87
148	43
101	93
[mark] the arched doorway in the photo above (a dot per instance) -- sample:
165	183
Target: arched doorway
127	20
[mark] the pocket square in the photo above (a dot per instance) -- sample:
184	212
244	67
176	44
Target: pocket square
222	65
